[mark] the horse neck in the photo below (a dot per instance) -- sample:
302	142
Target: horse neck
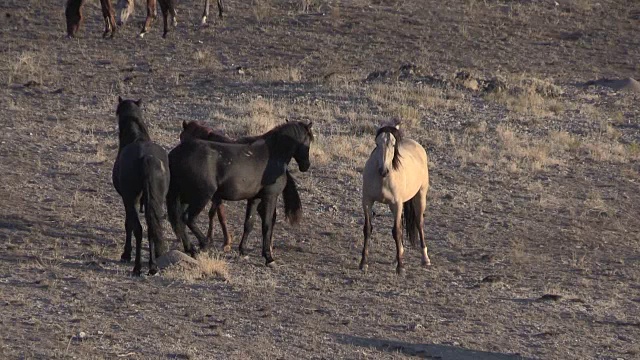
281	145
131	131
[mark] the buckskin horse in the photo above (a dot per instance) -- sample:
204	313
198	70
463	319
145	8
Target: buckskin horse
204	171
140	174
396	174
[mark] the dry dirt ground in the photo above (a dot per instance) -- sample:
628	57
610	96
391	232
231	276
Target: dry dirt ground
532	222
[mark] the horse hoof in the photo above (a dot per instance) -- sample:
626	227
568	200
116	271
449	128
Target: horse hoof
141	35
364	267
426	264
203	22
226	248
400	271
153	271
136	272
125	258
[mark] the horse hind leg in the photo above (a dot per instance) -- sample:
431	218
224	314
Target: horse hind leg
249	220
420	205
133	225
222	218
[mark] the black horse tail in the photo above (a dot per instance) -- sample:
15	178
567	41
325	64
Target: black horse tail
292	203
410	219
153	192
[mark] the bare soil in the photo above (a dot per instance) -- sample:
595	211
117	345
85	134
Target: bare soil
532	221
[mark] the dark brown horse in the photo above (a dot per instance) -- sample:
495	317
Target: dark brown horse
73	13
204	171
140	174
293	211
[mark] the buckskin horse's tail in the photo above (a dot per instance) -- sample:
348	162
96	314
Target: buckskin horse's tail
154	189
292	203
410	219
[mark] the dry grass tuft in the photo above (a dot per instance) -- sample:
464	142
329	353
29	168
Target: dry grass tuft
28	67
530	96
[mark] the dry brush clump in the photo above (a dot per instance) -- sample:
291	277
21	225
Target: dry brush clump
30	68
528	95
205	266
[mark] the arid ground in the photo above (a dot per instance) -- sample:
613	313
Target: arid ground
532	220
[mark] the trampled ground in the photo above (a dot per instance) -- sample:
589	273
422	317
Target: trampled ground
532	221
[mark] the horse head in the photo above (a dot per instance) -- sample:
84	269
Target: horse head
301	154
387	139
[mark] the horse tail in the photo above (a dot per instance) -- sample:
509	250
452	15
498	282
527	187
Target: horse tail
153	192
410	220
292	203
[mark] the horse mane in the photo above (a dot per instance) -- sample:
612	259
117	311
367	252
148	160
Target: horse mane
290	124
131	126
395	163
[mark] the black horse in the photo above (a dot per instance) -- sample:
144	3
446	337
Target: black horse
203	171
292	204
140	174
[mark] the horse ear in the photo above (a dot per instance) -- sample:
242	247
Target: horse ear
309	125
397	123
119	99
139	102
184	124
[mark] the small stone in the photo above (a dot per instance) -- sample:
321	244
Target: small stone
175	257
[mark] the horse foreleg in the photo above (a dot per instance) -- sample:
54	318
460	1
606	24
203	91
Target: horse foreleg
220	8
167	7
73	14
249	218
397	235
267	215
366	231
109	18
151	15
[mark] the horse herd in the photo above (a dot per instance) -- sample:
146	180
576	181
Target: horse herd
124	9
208	167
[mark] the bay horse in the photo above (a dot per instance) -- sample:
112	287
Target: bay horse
140	174
73	14
203	171
292	204
125	8
396	174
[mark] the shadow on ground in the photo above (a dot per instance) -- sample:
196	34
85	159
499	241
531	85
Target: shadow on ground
426	351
